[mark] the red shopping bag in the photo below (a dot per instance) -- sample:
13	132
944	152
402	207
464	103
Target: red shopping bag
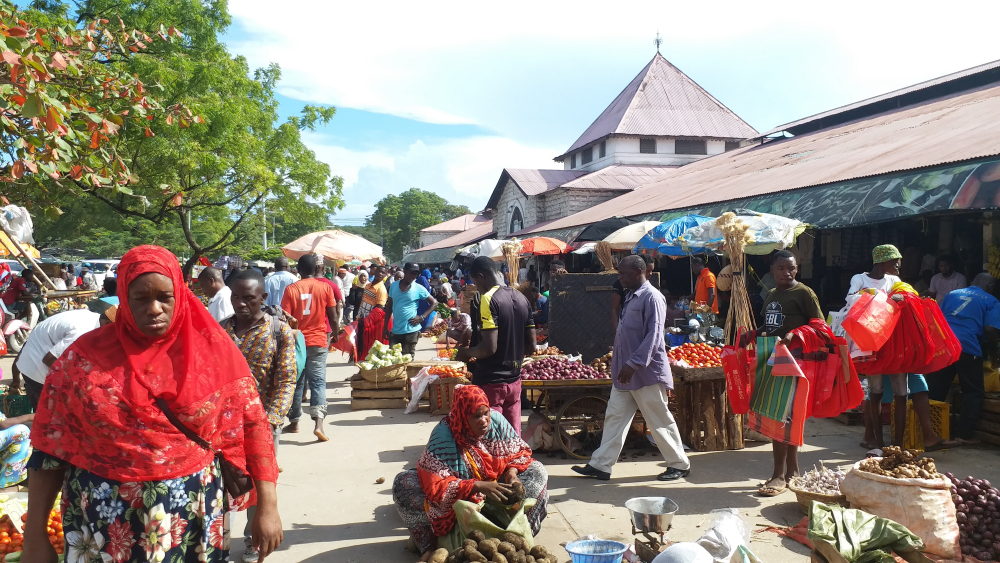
871	320
739	377
947	348
826	363
912	331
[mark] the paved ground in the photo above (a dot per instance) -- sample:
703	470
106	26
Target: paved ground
333	510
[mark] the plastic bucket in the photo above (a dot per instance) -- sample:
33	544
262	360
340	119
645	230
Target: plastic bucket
596	551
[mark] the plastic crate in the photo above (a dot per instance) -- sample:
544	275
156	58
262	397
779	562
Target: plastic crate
13	404
913	439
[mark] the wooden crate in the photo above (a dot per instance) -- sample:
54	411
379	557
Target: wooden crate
704	416
441	392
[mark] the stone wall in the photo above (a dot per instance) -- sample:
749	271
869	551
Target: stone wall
433	236
562	202
513	198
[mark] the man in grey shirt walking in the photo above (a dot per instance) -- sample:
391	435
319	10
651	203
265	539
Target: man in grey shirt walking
641	379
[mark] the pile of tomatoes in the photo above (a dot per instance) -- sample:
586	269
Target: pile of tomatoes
446	354
447	371
12	541
697	355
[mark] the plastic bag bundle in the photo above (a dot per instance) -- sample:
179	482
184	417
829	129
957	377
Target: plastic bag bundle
921	341
871	320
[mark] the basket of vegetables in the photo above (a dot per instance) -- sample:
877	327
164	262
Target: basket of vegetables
820	485
384	363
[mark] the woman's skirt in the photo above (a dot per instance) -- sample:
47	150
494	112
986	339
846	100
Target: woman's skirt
409	498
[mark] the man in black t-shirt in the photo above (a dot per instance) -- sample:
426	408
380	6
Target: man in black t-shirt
503	333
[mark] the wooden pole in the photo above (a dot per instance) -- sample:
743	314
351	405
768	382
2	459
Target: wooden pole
27	257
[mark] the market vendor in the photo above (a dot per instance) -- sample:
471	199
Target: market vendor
704	288
473	455
789	306
459	328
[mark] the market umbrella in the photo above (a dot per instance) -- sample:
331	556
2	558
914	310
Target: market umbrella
664	238
769	233
334	245
626	237
543	246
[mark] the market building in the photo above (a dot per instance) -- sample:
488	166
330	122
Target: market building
662	120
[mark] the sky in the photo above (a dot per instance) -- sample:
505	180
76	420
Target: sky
443	96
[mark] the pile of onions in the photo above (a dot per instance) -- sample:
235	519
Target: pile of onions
977	506
550	369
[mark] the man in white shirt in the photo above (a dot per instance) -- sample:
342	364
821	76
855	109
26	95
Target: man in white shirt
47	341
219	304
946	281
276	283
345	281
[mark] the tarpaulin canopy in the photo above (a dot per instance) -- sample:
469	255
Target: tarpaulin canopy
665	237
334	245
543	246
601	229
626	237
769	232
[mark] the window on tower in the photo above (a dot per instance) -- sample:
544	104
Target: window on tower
647	146
588	155
682	146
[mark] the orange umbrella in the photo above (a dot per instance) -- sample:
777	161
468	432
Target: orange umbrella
543	246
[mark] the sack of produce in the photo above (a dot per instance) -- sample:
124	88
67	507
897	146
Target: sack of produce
871	320
977	503
908	490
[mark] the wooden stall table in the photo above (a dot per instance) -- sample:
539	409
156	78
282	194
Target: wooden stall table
704	416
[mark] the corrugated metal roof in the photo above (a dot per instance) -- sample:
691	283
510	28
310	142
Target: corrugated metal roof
531	181
952	129
475	234
619	177
664	101
459	224
849	111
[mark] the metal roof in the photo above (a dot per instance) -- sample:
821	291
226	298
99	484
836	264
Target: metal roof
619	177
475	234
664	101
951	129
962	80
458	224
531	181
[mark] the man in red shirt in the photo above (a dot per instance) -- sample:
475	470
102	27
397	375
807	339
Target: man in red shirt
18	285
704	289
311	304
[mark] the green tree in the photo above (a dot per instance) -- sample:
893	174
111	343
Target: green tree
210	180
403	216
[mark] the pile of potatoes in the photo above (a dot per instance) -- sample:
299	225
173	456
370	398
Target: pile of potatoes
508	547
901	464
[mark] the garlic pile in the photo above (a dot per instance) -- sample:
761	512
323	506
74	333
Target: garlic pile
821	481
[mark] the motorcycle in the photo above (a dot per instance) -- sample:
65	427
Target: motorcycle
17	328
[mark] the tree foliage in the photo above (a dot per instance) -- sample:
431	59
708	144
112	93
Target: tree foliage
403	216
211	180
63	98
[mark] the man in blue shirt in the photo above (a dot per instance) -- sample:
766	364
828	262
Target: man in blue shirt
972	313
276	283
541	308
404	296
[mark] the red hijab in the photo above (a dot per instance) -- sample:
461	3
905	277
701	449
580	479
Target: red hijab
466	401
97	409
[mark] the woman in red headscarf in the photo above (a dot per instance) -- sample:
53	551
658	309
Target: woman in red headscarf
135	488
474	455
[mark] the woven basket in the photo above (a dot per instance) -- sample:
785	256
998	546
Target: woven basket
805	498
387	373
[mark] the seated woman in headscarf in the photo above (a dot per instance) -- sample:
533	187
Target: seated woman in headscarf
135	487
473	454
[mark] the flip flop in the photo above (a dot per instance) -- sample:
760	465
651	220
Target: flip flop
942	444
771	491
973	442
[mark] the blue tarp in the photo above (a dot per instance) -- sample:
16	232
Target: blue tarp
663	238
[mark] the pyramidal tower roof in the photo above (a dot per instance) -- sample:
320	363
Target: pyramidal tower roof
663	101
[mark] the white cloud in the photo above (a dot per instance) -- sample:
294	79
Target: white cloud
462	171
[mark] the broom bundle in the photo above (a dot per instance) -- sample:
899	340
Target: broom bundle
603	250
512	254
740	309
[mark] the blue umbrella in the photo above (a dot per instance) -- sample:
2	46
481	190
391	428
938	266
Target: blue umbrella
663	238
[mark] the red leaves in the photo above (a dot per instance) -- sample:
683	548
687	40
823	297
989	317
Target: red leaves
149	132
17	170
11	58
18	31
178	199
58	61
95	140
76	172
52	120
170	119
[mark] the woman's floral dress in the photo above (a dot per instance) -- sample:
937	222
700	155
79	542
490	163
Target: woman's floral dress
175	521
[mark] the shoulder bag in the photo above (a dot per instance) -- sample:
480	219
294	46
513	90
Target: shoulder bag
236	480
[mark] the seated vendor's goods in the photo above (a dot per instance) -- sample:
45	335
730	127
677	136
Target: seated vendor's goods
895	488
696	355
447	354
445	372
508	547
551	369
818	484
436	330
977	506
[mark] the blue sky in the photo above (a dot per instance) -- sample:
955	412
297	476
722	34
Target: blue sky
442	96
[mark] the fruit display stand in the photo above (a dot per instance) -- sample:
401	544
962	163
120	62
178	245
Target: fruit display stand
436	391
704	416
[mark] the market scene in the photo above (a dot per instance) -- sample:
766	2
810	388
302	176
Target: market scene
685	340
